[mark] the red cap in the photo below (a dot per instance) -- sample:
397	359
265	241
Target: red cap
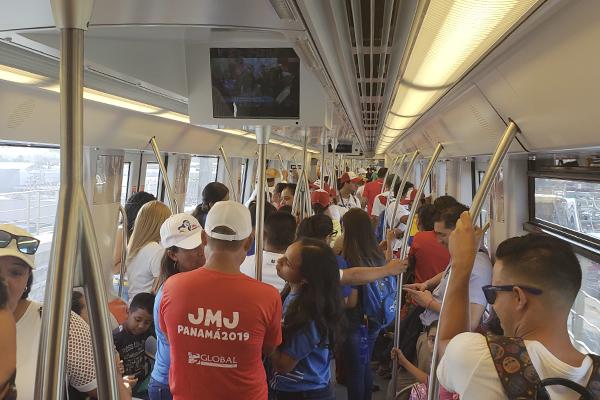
320	196
351	177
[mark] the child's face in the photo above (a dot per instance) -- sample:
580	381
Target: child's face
431	337
138	321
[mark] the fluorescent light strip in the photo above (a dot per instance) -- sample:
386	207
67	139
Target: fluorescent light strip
453	36
19	76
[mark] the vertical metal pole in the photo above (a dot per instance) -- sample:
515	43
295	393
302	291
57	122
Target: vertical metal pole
73	229
409	168
165	177
404	250
125	228
484	188
334	171
387	173
262	138
39	210
281	163
323	151
228	169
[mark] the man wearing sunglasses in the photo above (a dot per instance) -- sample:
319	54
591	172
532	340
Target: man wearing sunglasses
535	281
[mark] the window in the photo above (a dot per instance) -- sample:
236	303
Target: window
125	182
29	186
151	179
584	321
203	170
573	205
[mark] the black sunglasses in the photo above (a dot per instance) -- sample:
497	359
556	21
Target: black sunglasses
491	291
25	244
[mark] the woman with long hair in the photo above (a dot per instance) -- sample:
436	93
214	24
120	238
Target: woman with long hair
360	248
181	236
211	194
144	252
312	322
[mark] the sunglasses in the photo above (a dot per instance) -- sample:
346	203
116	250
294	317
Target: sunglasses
25	244
491	291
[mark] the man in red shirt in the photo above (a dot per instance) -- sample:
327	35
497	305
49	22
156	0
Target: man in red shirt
218	321
373	188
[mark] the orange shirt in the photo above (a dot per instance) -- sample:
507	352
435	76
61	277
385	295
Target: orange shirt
217	325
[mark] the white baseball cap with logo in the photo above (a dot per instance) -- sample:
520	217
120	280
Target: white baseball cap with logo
17	242
232	215
181	230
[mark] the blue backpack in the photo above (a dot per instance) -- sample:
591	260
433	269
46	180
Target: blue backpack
379	301
380	231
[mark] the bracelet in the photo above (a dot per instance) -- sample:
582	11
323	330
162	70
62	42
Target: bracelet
428	304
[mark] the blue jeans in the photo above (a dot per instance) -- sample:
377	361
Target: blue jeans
159	391
359	378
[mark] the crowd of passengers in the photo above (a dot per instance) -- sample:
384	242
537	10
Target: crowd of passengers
196	324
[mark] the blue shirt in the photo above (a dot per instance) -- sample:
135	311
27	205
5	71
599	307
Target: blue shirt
311	351
160	373
342	264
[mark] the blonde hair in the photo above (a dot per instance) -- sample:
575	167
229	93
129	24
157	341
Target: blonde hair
147	227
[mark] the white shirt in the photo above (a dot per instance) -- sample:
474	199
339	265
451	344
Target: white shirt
378	203
344	205
80	356
269	270
467	369
144	268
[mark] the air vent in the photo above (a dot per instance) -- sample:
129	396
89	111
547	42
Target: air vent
21	112
371	25
283	9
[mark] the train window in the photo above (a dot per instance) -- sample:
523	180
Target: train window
29	186
584	322
203	170
125	182
572	205
151	179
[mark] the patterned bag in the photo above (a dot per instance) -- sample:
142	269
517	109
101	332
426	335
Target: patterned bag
520	379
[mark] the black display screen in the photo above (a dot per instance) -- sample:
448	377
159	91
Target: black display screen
255	83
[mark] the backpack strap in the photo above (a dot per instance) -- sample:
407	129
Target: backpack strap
594	383
513	365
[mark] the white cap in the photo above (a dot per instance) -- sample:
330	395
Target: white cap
362	171
232	215
11	250
181	230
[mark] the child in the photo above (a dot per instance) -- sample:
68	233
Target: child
130	339
419	391
312	315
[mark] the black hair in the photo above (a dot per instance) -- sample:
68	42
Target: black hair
319	226
443	202
132	208
291	186
319	209
381	173
144	301
319	299
3	294
389	180
407	187
28	287
76	303
211	194
279	186
544	262
360	247
285	209
450	215
168	266
426	215
279	230
269	209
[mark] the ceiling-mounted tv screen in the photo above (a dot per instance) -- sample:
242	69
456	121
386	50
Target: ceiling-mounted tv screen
255	83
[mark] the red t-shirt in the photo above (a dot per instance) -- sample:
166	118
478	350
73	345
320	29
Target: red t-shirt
431	256
217	324
372	189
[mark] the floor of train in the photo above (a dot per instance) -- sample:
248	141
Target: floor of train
340	390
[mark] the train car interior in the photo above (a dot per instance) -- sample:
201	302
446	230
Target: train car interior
491	102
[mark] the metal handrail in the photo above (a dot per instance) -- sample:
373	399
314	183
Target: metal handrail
229	176
262	138
387	173
484	188
409	168
163	170
74	237
404	248
125	229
